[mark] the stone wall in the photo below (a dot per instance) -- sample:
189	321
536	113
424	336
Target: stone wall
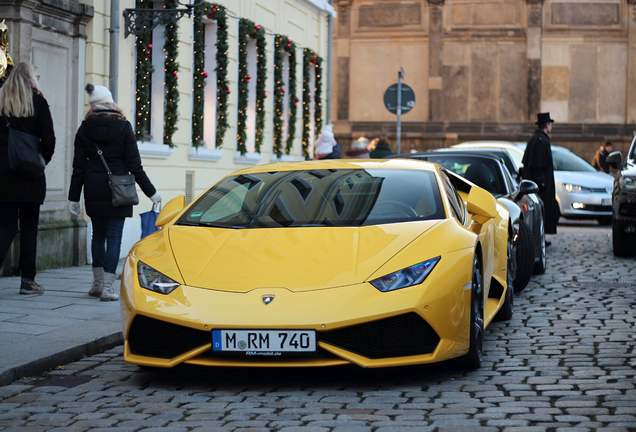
482	69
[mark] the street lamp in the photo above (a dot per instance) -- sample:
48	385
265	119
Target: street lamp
140	20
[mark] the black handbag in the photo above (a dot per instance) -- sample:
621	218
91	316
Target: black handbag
122	187
24	155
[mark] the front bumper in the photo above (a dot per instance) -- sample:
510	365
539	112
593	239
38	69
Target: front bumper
354	324
584	205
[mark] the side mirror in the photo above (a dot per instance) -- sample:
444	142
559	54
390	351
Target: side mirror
170	210
615	159
526	187
480	202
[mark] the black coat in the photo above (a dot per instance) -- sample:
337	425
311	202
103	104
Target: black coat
538	167
114	136
16	188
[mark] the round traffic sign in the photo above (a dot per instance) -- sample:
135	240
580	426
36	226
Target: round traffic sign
390	98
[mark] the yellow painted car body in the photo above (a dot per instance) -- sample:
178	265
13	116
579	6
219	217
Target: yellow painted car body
319	277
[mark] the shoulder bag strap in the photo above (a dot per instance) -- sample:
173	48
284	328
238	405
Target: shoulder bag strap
101	156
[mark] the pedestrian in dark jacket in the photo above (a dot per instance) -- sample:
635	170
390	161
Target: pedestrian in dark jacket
105	128
538	167
600	157
381	149
23	107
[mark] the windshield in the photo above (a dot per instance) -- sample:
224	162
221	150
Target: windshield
632	153
565	160
336	197
484	172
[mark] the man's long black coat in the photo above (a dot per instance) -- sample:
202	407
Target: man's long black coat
538	167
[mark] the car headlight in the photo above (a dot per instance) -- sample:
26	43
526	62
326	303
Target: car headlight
628	182
153	280
570	187
413	275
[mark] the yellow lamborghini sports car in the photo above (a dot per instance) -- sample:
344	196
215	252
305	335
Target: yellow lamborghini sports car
323	263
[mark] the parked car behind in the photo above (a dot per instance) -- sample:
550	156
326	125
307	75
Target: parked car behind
523	204
624	203
581	191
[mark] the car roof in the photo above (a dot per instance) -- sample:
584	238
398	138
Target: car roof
455	152
399	164
486	144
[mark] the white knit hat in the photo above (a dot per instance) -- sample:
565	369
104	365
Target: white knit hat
326	141
98	94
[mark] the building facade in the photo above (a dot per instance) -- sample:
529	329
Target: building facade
482	69
193	126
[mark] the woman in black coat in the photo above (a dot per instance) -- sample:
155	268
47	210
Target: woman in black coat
23	107
105	128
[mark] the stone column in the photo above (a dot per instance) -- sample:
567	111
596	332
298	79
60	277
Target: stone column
436	50
630	116
342	67
534	42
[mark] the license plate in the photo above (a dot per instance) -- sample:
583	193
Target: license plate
263	341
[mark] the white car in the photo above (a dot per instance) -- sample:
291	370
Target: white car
581	191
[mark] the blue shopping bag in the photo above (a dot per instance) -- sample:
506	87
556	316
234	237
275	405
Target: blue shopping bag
148	220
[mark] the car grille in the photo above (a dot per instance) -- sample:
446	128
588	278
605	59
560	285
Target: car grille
155	338
627	209
596	208
398	336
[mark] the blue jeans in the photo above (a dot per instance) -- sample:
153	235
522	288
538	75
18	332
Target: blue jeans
106	242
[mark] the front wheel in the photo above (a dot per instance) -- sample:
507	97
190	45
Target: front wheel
541	262
525	258
622	242
472	360
505	313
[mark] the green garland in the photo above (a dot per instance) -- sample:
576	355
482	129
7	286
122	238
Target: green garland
218	13
171	71
282	44
143	77
247	30
311	59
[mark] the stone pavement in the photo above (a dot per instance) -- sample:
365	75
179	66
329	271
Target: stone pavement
62	325
565	362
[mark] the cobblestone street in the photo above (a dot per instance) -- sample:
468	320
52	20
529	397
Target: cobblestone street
566	361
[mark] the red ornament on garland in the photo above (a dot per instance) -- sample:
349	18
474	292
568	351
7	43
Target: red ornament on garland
175	74
289	44
257	27
228	90
204	74
149	45
247	78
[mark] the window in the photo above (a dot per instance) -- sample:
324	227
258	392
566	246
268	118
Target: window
455	201
339	197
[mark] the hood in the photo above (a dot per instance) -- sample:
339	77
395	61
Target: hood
102	129
298	259
587	179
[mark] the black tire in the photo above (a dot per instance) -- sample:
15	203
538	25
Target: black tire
622	243
525	258
505	313
605	221
472	359
540	263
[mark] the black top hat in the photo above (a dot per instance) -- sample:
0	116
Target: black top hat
544	118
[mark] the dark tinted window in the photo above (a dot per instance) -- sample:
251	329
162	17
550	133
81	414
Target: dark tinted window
484	172
455	201
344	197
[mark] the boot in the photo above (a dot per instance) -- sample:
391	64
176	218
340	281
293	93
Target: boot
98	282
29	286
111	291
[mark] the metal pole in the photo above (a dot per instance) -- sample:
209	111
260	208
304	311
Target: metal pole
398	132
113	69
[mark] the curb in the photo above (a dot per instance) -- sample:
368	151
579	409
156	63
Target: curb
69	355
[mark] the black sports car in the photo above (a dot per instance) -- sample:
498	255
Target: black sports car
526	208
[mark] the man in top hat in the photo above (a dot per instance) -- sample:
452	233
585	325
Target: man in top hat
538	167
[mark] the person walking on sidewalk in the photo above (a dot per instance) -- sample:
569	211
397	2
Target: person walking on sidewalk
23	108
105	128
538	167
